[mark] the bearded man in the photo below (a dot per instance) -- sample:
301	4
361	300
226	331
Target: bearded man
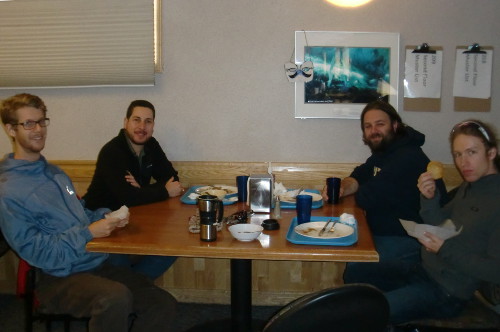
385	185
132	169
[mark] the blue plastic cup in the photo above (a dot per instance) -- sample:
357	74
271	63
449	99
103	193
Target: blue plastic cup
241	183
333	190
303	207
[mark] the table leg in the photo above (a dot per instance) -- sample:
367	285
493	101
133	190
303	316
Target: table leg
241	295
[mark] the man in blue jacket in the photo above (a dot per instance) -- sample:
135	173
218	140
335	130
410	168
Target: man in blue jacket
385	185
132	169
45	224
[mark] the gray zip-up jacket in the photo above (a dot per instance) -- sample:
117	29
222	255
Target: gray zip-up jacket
474	255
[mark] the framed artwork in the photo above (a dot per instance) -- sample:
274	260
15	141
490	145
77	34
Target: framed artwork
351	69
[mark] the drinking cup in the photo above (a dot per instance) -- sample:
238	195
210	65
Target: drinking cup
241	182
303	207
333	190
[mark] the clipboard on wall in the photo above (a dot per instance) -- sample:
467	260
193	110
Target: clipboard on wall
422	82
472	81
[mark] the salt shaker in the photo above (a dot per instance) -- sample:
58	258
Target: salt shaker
277	208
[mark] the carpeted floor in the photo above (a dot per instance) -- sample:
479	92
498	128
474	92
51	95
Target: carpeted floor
189	315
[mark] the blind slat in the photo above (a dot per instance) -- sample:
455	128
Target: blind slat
53	43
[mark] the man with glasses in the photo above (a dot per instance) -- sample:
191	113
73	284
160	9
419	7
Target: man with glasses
45	224
132	169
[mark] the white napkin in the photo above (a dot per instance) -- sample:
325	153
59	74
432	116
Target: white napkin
193	196
445	231
121	213
279	189
347	219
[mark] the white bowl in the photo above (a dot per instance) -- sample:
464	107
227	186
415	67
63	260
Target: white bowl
245	232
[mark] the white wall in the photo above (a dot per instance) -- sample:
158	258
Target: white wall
224	97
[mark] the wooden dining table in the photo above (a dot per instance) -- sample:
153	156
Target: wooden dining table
162	229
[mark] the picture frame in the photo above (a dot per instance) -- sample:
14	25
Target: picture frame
350	70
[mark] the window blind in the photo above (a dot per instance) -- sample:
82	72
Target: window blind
75	43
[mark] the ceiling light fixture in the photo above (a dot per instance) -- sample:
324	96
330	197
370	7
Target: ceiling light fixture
348	3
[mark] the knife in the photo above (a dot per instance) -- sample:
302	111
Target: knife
324	228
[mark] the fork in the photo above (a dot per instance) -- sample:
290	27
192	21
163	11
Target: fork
332	228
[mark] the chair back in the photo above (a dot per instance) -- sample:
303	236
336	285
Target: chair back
4	246
24	278
348	308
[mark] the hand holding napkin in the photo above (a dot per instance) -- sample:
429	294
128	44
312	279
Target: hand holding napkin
121	214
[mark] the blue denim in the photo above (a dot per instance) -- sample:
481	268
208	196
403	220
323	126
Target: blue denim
150	266
402	250
411	293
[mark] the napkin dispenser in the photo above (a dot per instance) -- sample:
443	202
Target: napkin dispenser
260	192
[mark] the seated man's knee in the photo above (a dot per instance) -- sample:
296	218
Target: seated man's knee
116	298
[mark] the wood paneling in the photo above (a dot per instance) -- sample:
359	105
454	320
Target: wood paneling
307	175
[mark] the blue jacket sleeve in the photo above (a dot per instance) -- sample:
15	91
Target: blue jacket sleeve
36	240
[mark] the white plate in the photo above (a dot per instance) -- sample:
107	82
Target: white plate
230	190
312	229
289	199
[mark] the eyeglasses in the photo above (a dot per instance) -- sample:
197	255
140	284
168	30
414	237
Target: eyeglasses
475	124
30	124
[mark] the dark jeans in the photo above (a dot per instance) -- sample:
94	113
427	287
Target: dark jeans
150	266
411	293
404	250
109	295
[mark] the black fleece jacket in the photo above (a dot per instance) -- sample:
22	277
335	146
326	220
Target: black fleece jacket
109	188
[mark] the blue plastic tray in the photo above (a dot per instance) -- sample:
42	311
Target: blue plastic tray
315	204
186	200
296	238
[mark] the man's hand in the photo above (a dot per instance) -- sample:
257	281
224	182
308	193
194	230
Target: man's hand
431	242
426	185
131	180
123	222
347	186
174	188
104	227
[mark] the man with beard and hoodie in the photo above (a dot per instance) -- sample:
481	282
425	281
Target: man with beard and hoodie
385	186
132	169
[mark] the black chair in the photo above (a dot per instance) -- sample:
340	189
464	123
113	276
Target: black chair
348	308
26	280
4	246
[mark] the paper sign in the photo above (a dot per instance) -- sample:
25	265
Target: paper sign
445	231
473	74
423	74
